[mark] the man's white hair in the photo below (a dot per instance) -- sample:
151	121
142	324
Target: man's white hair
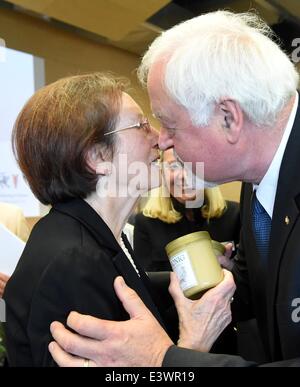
223	55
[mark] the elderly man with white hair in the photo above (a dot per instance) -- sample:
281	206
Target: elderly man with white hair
226	95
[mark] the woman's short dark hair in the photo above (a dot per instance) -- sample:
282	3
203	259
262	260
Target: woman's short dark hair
56	129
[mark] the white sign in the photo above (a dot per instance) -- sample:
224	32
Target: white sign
2	50
13	188
9	257
18	80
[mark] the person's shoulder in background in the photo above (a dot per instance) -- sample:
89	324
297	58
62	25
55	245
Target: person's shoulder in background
146	221
232	213
151	228
227	227
13	219
233	208
233	220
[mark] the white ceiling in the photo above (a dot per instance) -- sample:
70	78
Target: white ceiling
123	23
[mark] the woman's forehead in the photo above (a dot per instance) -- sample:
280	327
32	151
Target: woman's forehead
130	106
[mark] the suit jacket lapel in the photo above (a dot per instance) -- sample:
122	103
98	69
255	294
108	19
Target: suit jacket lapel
138	284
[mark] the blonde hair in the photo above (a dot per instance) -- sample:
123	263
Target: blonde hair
160	205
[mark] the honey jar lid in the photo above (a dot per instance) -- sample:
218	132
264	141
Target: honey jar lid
181	242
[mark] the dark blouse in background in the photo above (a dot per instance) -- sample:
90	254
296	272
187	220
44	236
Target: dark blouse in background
152	235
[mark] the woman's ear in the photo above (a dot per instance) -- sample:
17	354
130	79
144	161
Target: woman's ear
232	119
96	161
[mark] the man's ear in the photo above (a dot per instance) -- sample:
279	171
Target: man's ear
97	162
232	119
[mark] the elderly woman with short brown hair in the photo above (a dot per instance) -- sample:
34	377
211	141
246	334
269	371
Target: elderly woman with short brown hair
67	140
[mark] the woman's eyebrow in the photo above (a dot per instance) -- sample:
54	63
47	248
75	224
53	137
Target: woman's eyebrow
139	116
135	118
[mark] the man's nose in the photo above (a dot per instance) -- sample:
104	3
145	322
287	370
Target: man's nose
164	140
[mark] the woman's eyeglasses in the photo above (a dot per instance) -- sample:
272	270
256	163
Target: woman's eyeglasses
145	125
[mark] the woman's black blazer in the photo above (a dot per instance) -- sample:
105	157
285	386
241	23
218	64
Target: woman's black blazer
69	264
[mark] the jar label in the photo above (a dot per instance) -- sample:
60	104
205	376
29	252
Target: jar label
182	266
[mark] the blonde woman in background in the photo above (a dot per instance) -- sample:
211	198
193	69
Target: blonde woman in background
165	217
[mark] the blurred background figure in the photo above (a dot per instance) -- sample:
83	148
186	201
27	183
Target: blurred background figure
13	219
165	217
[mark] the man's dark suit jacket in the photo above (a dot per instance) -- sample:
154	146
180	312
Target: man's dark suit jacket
152	235
272	296
69	264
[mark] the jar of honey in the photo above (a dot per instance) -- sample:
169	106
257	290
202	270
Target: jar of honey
193	259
